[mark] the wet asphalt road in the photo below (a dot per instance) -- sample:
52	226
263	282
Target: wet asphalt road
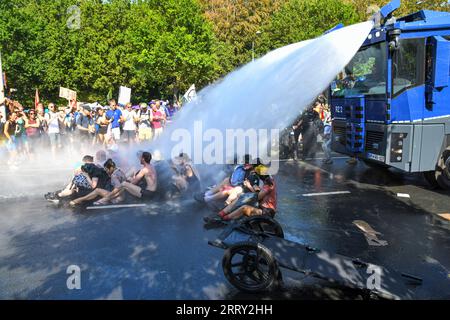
161	252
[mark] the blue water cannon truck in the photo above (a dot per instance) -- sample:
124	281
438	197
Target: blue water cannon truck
391	104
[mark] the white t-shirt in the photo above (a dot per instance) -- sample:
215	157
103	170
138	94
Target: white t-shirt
129	116
53	122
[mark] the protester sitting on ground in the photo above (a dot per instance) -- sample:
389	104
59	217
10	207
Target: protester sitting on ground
100	179
80	186
186	177
252	186
67	191
142	186
267	199
117	178
231	187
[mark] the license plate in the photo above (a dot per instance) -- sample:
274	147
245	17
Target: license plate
375	157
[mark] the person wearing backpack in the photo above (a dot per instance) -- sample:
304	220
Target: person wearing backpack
145	119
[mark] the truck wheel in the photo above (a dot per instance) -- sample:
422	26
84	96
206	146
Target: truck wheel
430	177
264	225
250	267
443	170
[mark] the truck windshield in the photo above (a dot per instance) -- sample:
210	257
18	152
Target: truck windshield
364	75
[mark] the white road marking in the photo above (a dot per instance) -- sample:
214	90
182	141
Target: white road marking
117	206
308	159
403	195
325	193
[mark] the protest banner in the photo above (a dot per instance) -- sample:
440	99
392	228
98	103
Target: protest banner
124	95
67	94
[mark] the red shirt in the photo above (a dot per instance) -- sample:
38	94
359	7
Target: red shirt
270	199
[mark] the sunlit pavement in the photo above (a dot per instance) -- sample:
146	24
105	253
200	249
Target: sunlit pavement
161	252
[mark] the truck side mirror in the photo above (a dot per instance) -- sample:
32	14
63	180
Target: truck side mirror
440	64
394	43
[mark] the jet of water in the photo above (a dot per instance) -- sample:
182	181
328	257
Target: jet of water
268	93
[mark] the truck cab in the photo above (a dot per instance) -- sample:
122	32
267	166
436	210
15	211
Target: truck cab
391	104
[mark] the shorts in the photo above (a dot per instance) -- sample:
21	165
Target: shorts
147	195
11	145
158	132
129	135
54	139
145	134
116	133
268	212
103	130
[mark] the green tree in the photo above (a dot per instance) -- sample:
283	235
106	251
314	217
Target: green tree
235	24
367	8
153	46
299	20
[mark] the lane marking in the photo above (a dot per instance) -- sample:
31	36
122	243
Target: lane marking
403	195
325	193
117	206
309	159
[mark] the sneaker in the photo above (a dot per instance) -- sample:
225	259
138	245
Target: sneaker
51	196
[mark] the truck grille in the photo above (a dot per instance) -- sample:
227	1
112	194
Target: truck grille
374	140
339	133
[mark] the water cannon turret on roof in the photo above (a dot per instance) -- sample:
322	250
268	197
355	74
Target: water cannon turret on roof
387	11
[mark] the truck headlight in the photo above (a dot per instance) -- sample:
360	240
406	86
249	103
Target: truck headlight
397	146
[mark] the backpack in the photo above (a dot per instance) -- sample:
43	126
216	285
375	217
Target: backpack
238	176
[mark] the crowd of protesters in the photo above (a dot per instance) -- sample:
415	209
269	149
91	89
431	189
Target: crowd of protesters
26	131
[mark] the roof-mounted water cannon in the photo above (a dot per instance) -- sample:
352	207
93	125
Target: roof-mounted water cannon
384	16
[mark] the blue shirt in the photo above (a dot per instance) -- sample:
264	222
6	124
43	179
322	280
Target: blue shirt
116	117
238	176
109	114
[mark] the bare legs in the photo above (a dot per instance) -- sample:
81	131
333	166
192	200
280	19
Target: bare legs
247	211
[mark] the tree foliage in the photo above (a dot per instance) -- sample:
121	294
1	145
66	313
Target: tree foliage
298	20
157	47
367	8
153	46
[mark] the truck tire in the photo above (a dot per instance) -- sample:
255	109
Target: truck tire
442	173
